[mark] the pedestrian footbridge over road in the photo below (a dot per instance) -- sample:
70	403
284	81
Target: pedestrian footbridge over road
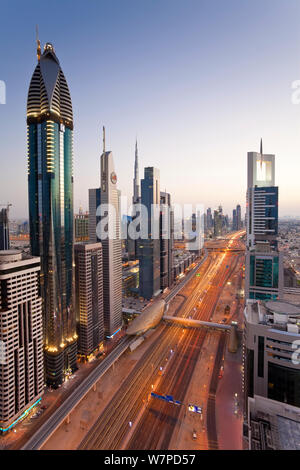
188	322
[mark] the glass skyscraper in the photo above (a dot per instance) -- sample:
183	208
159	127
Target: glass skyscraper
4	230
50	185
149	248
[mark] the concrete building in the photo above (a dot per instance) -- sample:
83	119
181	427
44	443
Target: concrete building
21	336
271	357
51	215
272	426
149	247
89	297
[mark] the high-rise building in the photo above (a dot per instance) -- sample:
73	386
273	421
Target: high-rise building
234	220
51	218
81	227
4	229
111	244
166	241
210	222
264	266
21	336
136	182
270	335
136	199
94	203
196	235
264	273
89	297
238	217
218	222
149	248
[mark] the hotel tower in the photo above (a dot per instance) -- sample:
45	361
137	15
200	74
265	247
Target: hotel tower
50	191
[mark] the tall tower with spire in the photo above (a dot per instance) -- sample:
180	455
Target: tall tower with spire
136	183
50	194
264	269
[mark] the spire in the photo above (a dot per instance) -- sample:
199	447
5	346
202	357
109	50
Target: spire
38	49
136	155
261	147
136	186
103	132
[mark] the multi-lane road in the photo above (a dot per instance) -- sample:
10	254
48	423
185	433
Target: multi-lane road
133	420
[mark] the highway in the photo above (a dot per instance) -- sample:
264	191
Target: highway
133	420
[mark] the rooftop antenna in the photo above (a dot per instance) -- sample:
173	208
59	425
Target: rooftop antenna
38	50
261	153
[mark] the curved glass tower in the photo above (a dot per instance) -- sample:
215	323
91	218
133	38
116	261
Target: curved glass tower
50	184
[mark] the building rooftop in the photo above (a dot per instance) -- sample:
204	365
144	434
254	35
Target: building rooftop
274	425
282	307
275	314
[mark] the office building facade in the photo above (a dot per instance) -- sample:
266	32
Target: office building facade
89	297
271	367
166	241
21	336
81	227
149	247
264	263
110	237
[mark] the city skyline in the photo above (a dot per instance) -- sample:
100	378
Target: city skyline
192	106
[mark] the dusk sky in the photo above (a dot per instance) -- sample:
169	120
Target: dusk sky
198	82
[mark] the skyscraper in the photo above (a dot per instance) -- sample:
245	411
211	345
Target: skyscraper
166	240
149	247
234	220
4	229
81	226
218	222
94	203
21	335
238	217
50	184
271	330
209	219
136	199
110	238
136	182
89	297
264	266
